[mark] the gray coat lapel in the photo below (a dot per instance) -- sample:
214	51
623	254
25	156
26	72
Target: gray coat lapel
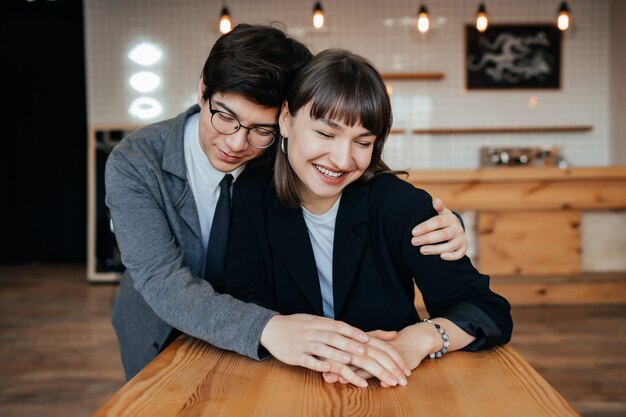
174	163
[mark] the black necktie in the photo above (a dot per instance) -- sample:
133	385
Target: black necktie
218	239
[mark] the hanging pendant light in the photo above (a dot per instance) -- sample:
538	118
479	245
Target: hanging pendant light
481	18
318	16
423	21
226	24
563	20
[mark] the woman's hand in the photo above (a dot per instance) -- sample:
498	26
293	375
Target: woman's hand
326	345
443	234
375	363
413	342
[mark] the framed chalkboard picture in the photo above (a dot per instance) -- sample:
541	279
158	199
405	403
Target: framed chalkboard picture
513	56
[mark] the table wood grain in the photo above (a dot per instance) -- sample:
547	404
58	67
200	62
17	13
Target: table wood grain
193	378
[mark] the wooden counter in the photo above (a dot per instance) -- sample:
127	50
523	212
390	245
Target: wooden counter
528	219
193	378
526	188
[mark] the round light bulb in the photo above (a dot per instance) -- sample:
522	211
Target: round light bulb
482	22
423	23
563	21
318	19
225	24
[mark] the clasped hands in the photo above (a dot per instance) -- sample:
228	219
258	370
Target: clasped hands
344	353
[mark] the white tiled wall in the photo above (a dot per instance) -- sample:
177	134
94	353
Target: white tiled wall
383	31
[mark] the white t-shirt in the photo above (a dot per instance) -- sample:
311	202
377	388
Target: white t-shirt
322	234
203	178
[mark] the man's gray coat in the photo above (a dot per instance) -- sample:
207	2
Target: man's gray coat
158	232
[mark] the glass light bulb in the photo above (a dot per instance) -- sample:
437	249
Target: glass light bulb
423	23
482	22
225	24
563	21
318	19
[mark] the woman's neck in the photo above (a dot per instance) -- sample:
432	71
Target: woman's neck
319	206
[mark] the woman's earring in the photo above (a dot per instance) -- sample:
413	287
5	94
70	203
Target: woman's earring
283	146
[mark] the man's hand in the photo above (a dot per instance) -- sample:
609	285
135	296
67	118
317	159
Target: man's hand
326	345
442	235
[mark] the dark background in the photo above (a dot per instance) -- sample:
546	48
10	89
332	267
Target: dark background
43	132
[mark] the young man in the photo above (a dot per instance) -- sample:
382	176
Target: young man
163	187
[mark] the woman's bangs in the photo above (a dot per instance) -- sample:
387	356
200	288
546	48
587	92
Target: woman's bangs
339	102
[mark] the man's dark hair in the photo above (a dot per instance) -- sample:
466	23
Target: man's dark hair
255	61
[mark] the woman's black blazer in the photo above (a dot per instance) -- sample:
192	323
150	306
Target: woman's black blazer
270	262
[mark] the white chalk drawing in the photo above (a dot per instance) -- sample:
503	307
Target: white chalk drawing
516	57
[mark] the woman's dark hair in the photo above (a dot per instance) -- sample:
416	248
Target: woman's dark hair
341	86
255	61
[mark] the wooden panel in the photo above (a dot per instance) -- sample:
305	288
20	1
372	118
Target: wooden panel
537	243
529	195
603	244
502	129
578	290
515	174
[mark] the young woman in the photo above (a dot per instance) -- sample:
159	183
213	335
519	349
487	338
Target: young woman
333	237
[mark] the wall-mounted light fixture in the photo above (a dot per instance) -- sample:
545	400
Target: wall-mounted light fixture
144	81
145	108
481	18
226	24
318	16
145	54
423	21
563	19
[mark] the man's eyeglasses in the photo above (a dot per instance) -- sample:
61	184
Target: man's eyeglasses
228	124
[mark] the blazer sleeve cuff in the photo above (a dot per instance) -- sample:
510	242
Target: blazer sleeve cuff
475	322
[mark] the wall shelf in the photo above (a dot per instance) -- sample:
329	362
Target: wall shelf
503	129
412	76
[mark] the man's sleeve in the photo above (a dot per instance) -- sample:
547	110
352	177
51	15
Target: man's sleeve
156	263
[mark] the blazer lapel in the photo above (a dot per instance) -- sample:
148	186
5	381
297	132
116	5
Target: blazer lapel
174	163
290	243
186	207
350	240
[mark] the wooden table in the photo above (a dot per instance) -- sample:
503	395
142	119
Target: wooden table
193	378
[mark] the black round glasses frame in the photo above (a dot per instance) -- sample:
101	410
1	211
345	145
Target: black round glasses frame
239	126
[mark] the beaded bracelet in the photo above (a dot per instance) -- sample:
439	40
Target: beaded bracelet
444	337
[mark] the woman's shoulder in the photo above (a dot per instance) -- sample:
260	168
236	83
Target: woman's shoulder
389	189
393	199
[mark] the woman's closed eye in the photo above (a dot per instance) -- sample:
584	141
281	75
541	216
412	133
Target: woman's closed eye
324	134
364	144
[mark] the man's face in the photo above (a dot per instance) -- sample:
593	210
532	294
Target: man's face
228	152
